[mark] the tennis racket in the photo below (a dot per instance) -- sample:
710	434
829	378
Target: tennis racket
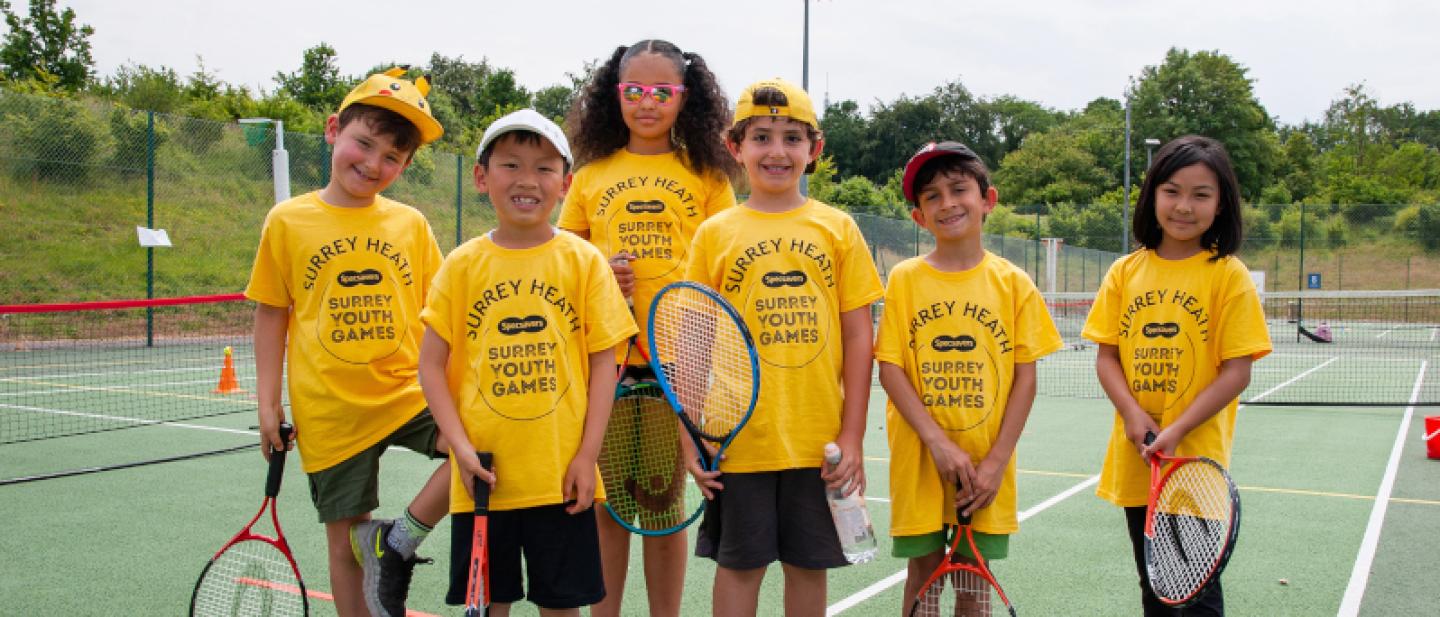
477	587
1191	522
706	363
254	574
960	586
643	466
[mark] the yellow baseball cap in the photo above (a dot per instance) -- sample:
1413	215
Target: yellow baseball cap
797	107
390	90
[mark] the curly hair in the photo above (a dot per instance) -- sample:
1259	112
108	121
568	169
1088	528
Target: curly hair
597	129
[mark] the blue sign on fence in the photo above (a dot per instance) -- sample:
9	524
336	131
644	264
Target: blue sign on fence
1312	280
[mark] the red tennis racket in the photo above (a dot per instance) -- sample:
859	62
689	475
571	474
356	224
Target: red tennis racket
477	589
961	586
254	574
1191	522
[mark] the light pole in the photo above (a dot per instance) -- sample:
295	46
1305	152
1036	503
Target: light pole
805	83
1150	143
279	158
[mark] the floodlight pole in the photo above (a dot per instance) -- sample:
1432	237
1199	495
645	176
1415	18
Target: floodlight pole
805	84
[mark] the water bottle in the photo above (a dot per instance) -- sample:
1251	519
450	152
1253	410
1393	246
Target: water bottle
852	521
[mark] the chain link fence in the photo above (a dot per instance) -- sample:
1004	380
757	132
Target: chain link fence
77	176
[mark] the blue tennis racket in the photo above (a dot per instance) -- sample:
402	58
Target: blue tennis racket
706	364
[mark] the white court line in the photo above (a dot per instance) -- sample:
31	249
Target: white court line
1382	334
899	577
1360	575
126	388
25	378
62	412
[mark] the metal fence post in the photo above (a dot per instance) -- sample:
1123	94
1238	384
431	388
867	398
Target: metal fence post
150	224
459	197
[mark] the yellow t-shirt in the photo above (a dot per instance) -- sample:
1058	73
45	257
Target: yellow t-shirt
521	324
1174	321
355	279
790	275
958	336
646	205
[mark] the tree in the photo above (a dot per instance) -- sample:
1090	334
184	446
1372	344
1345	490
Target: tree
1207	93
46	43
844	129
318	84
1053	167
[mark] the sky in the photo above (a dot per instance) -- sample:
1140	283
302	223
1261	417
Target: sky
1061	54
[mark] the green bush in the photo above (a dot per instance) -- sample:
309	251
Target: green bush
56	139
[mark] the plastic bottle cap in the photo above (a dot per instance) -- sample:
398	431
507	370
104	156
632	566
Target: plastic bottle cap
832	453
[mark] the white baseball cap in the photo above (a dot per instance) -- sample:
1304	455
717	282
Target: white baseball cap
526	120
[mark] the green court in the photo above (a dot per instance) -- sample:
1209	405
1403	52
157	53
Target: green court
1341	508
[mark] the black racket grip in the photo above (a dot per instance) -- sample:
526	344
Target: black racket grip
960	517
1149	437
277	462
482	488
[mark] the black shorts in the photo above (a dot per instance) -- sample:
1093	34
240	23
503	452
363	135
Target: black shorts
768	516
562	557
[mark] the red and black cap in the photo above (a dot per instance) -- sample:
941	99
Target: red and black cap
924	154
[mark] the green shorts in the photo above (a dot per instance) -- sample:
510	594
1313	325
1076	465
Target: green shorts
352	487
992	546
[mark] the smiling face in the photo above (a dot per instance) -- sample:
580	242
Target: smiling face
525	177
774	152
952	206
648	119
365	162
1185	207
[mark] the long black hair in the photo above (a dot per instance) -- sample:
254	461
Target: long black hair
1227	231
597	129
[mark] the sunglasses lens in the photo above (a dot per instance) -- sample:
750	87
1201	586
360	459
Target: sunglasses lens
663	94
632	93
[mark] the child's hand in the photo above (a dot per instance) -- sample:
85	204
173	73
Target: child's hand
708	481
470	469
270	434
624	274
954	465
849	474
1165	442
988	477
1136	426
579	485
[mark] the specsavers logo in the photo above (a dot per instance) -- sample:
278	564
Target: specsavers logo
1161	330
793	278
962	342
511	326
653	206
351	278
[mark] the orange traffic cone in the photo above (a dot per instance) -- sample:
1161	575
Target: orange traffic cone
228	383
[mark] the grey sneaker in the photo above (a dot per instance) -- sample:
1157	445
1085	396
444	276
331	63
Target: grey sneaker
386	580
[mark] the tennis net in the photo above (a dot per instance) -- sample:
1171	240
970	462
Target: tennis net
1331	348
72	369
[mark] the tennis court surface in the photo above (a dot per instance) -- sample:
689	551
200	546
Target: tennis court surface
1341	507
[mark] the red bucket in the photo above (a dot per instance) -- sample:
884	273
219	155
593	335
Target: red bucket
1432	436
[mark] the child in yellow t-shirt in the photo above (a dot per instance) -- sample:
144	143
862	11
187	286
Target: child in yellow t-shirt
959	337
519	360
341	273
652	167
799	273
1178	324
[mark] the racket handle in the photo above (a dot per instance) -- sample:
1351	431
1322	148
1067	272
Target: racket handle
960	517
277	462
1149	437
482	488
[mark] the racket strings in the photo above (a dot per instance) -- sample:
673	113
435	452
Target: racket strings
1190	529
706	360
961	593
251	578
641	461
